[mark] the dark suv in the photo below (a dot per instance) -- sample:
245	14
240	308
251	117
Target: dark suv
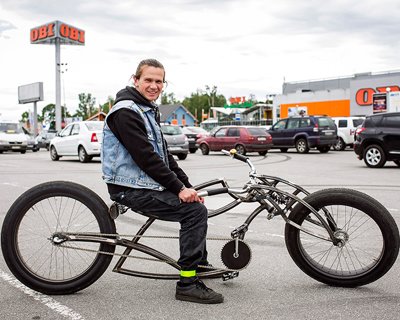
304	133
378	139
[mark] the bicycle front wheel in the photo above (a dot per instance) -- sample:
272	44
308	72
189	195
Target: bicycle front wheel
369	238
30	223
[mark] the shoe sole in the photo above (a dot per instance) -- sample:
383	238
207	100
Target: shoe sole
197	300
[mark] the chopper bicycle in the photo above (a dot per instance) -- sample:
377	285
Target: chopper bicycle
60	237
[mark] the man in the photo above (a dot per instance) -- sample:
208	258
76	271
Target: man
141	174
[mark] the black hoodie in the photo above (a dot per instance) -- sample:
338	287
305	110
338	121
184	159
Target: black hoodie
130	130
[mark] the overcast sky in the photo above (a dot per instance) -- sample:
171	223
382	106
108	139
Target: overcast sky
242	47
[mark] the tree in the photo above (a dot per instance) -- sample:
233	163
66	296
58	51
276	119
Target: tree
169	98
48	114
86	106
202	101
107	106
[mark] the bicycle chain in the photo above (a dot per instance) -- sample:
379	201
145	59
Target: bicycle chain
137	257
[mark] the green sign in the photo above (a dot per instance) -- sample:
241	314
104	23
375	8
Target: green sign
246	104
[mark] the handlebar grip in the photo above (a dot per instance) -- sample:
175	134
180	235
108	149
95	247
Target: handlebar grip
240	157
212	192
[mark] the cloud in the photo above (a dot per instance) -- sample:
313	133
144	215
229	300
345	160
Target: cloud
5	26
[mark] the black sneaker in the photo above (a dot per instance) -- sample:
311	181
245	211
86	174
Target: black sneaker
197	292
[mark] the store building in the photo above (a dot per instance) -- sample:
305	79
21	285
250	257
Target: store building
344	96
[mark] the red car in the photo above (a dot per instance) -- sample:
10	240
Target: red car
243	138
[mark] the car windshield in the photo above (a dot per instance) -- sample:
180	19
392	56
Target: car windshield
95	125
357	122
171	130
257	131
326	122
10	128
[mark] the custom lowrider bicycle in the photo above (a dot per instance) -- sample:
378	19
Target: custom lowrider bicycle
60	237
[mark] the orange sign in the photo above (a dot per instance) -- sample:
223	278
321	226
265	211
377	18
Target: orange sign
364	95
49	32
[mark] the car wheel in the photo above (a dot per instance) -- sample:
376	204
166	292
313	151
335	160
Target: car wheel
23	151
192	150
374	157
240	149
302	146
324	149
205	150
263	153
182	156
53	154
397	162
284	149
339	145
83	156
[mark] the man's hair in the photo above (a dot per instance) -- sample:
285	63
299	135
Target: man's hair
148	62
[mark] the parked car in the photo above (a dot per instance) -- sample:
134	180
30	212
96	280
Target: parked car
44	138
178	143
346	127
243	138
378	139
31	143
12	137
82	139
303	133
193	133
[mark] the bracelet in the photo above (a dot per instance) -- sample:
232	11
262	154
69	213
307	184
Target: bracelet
183	188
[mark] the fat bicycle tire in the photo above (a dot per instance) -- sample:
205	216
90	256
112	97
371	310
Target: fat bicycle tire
371	238
39	213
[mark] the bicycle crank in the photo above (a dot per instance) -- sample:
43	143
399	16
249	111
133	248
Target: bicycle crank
236	254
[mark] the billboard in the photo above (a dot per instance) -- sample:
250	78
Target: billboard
30	92
49	32
379	102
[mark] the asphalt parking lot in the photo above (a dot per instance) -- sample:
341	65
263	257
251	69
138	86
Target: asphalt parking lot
271	287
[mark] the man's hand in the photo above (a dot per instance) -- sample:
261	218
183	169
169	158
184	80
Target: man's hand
189	195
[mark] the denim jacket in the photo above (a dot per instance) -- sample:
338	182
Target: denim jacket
117	164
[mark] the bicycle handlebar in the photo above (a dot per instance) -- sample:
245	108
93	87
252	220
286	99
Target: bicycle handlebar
233	153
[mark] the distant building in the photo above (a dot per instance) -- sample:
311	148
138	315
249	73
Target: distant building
99	116
176	114
344	96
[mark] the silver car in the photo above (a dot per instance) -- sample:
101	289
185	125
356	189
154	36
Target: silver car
177	141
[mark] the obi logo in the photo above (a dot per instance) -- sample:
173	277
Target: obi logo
364	95
57	29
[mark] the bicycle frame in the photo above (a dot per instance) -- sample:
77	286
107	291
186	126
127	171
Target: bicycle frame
261	188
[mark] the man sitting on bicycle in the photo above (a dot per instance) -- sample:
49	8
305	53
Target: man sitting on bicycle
141	174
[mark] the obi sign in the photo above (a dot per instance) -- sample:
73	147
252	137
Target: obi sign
48	33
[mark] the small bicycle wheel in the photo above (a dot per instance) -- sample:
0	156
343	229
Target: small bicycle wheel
368	234
39	213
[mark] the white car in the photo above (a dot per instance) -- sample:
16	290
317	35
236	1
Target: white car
346	129
12	137
82	139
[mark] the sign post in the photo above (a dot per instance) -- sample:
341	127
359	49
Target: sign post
57	33
31	93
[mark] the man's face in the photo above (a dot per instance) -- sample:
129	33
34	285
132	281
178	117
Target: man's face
150	83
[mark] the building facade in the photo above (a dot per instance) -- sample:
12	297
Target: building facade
344	96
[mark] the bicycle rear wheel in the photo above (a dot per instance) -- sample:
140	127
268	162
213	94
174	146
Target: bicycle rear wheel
369	238
39	213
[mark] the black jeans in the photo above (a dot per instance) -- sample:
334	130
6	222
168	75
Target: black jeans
165	205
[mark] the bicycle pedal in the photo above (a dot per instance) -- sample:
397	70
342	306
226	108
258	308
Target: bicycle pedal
230	275
116	209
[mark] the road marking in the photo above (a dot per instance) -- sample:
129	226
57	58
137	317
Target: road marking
10	184
42	298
